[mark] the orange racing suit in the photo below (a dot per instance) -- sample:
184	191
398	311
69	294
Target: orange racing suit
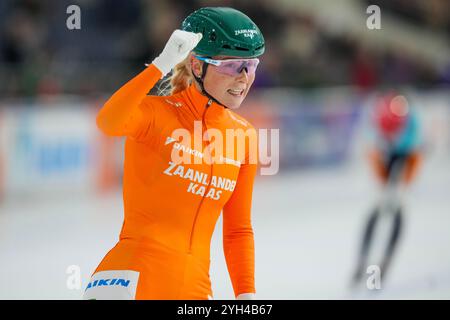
170	209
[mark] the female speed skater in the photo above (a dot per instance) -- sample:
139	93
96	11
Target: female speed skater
171	207
395	158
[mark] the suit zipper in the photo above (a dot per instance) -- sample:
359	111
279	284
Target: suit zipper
209	183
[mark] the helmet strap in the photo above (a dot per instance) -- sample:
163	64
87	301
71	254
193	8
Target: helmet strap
200	82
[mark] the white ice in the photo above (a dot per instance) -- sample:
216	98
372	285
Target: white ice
307	228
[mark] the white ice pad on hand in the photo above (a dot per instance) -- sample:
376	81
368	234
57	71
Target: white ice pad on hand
176	50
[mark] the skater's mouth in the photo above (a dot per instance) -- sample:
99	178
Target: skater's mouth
236	92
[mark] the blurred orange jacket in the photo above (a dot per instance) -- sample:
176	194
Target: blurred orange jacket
170	209
410	169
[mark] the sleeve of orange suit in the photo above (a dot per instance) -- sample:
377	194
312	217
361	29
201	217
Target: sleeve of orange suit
127	112
376	161
238	240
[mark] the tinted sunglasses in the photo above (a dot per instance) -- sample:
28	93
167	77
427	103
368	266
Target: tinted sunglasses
232	67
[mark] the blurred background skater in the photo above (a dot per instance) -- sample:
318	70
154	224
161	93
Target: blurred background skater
395	157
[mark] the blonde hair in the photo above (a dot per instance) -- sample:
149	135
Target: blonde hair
180	79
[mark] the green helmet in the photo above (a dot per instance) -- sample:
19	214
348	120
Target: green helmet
226	32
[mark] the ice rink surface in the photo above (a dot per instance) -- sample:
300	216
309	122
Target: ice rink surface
307	226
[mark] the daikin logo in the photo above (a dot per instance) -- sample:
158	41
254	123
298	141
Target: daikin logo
108	282
179	146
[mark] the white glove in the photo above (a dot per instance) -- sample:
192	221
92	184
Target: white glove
246	296
176	50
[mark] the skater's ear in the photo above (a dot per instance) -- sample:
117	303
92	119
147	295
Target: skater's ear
196	66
